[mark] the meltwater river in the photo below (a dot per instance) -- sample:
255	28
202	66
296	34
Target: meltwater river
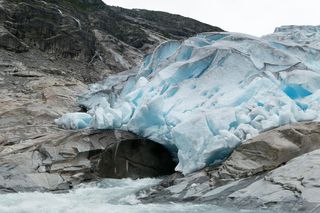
107	196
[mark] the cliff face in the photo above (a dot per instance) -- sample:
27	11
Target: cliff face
99	39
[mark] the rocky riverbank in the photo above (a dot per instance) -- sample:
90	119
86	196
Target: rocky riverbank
279	169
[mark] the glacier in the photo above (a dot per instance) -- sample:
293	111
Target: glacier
203	96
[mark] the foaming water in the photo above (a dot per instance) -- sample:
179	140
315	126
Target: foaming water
109	195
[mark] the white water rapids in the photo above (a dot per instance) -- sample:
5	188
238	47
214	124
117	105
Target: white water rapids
107	196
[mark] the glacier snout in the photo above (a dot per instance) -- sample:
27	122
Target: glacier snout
203	96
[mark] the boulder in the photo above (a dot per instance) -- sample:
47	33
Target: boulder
271	149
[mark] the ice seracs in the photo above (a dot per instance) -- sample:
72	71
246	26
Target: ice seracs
203	96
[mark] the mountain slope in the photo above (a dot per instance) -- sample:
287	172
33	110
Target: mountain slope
100	39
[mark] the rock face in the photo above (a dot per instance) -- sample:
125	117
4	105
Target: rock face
277	169
31	97
135	159
54	161
9	42
98	39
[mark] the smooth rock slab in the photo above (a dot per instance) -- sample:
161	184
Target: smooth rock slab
295	182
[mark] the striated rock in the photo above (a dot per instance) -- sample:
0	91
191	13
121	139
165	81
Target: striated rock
35	99
9	42
277	169
135	159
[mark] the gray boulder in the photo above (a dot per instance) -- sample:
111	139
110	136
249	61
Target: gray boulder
271	149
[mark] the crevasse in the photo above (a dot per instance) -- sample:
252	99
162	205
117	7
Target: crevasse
201	97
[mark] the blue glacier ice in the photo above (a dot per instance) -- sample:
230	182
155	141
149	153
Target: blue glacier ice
77	120
201	97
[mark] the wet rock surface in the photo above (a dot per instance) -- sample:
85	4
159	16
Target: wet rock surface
277	169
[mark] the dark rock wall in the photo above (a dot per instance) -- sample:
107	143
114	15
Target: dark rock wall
103	39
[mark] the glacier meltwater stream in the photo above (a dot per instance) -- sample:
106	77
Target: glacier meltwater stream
109	196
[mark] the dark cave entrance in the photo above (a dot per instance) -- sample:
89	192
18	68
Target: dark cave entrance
135	158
